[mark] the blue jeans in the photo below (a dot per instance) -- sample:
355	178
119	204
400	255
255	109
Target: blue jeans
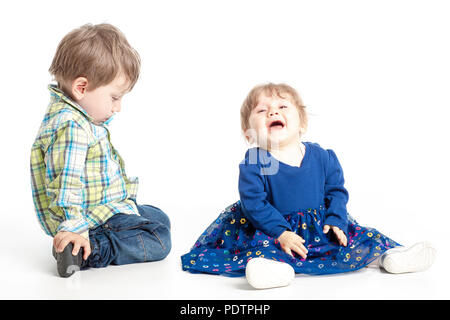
125	238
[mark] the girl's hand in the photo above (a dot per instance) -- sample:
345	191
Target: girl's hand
340	235
290	241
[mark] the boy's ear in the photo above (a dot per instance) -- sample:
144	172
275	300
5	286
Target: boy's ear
79	88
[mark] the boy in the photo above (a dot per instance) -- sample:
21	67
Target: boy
82	195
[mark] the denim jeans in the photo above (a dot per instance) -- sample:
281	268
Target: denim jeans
125	238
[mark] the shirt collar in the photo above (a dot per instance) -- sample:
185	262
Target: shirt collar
57	92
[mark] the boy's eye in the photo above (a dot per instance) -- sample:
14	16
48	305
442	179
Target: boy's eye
115	98
283	107
261	111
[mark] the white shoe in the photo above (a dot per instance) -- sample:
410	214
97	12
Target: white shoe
263	273
418	257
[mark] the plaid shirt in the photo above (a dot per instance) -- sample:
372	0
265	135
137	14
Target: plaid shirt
78	179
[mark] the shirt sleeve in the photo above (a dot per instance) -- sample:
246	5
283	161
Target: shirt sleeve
65	161
254	202
336	196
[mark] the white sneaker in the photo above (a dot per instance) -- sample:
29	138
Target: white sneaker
418	257
263	273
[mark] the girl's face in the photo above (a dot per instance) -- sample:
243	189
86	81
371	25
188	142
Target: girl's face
274	122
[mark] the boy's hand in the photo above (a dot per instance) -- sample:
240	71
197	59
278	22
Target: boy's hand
63	238
290	241
340	235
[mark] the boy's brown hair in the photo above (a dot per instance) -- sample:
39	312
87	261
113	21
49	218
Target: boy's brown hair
281	90
97	52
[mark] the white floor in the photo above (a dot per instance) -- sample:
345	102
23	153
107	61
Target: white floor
28	271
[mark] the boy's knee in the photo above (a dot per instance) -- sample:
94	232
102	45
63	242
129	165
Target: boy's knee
153	214
164	219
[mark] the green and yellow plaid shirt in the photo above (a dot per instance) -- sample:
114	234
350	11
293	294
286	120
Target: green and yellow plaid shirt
78	179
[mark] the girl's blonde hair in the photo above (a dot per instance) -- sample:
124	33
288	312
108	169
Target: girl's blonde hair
281	90
97	52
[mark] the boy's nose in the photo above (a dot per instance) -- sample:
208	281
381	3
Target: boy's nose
117	107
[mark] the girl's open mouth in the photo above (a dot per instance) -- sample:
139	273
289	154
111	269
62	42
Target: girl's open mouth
277	125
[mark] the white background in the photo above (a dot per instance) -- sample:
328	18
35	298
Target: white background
373	74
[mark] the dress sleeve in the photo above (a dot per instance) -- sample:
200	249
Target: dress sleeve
65	161
254	202
336	196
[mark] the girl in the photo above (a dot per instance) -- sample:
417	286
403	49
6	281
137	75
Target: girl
292	216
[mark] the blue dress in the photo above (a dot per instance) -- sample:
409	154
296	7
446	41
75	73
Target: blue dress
275	197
